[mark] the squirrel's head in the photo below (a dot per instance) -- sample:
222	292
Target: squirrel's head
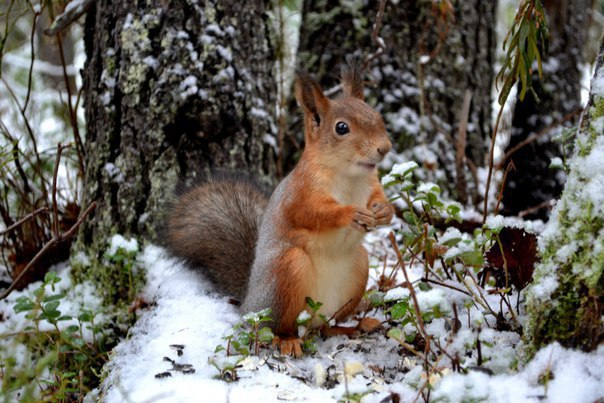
346	128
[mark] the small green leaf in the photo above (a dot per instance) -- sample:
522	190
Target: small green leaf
85	317
395	333
472	258
399	309
424	286
24	306
52	305
54	297
51	278
265	335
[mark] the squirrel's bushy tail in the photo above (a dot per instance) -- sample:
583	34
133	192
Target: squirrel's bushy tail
213	226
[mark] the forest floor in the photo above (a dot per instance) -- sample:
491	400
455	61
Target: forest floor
170	353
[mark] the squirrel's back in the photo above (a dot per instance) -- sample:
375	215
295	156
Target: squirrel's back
213	226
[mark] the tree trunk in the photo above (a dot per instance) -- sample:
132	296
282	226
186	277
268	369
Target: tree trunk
565	302
172	88
533	184
421	102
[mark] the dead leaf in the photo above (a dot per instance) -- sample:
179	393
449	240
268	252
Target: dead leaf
519	254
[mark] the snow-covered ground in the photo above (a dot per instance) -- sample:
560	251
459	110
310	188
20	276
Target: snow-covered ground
185	311
188	313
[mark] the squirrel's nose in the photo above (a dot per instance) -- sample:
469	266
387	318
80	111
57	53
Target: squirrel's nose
384	147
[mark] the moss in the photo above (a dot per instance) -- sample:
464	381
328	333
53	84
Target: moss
572	253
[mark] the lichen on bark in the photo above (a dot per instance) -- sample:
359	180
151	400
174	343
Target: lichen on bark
566	299
172	89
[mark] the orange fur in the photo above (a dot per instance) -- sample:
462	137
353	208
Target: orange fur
310	239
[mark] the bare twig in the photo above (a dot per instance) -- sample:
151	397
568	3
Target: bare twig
503	182
68	17
460	148
72	114
38	166
418	314
530	210
55	207
375	35
16	224
429	280
541	133
33	58
491	157
49	245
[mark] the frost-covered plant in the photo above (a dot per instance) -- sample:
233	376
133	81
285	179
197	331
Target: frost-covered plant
423	318
31	113
248	336
119	276
307	334
66	363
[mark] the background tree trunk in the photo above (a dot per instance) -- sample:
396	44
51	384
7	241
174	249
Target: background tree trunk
172	89
421	102
565	302
533	183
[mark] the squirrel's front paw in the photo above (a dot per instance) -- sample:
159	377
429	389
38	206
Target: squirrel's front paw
363	220
382	213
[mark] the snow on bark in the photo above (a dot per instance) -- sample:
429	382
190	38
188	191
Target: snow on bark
565	301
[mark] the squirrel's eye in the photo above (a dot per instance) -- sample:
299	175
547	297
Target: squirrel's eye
342	128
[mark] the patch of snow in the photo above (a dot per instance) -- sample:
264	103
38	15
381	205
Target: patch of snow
496	223
396	294
450	234
117	241
402	168
546	286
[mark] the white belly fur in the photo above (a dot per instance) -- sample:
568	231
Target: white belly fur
333	286
334	254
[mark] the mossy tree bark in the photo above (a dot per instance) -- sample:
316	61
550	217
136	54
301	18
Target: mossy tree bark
532	184
428	63
566	301
172	88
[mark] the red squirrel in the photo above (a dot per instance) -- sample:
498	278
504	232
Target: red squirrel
306	240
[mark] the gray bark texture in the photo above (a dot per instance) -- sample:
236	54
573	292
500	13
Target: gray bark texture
173	88
421	102
532	183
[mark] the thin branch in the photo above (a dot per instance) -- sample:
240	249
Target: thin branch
38	165
24	219
33	58
503	182
72	115
541	133
460	148
375	35
491	158
68	17
418	314
55	207
429	280
49	245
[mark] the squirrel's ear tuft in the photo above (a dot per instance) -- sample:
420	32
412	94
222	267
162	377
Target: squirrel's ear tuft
310	96
352	79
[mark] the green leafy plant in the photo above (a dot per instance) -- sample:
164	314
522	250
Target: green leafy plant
127	279
67	364
304	321
527	33
248	337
